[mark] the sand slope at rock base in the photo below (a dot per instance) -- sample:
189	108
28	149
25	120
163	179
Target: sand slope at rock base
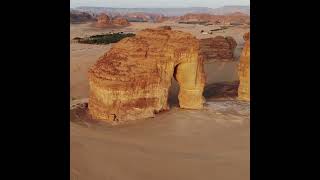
179	144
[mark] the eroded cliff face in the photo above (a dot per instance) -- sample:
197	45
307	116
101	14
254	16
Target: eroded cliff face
132	80
244	70
218	48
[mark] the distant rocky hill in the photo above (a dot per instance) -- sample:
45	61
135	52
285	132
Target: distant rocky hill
80	17
165	11
228	19
231	9
104	20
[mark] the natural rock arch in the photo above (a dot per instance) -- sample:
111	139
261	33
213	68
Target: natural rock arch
132	80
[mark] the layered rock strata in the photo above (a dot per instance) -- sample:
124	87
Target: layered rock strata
244	70
218	48
132	80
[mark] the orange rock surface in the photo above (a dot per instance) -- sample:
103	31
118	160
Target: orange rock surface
244	70
103	20
132	80
120	21
218	48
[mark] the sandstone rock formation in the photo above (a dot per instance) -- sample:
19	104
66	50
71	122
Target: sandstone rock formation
103	20
120	21
80	17
218	48
244	70
132	80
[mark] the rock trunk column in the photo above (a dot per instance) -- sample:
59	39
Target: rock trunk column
244	71
191	79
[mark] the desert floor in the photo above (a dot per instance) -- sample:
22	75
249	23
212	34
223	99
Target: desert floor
177	144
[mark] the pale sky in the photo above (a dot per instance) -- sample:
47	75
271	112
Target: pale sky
157	3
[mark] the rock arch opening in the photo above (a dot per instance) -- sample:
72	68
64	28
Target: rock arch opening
174	90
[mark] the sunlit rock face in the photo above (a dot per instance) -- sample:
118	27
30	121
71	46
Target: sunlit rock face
244	70
218	48
132	80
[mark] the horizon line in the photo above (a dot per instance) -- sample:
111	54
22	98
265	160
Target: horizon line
156	7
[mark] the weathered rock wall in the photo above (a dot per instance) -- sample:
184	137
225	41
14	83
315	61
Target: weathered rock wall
218	48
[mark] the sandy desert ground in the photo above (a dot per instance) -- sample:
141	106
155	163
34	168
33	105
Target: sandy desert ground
209	144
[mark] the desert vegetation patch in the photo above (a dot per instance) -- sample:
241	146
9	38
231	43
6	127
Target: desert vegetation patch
103	38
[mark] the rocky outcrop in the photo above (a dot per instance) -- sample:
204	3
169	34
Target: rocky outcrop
244	70
218	48
103	20
132	80
196	17
120	21
80	17
145	17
